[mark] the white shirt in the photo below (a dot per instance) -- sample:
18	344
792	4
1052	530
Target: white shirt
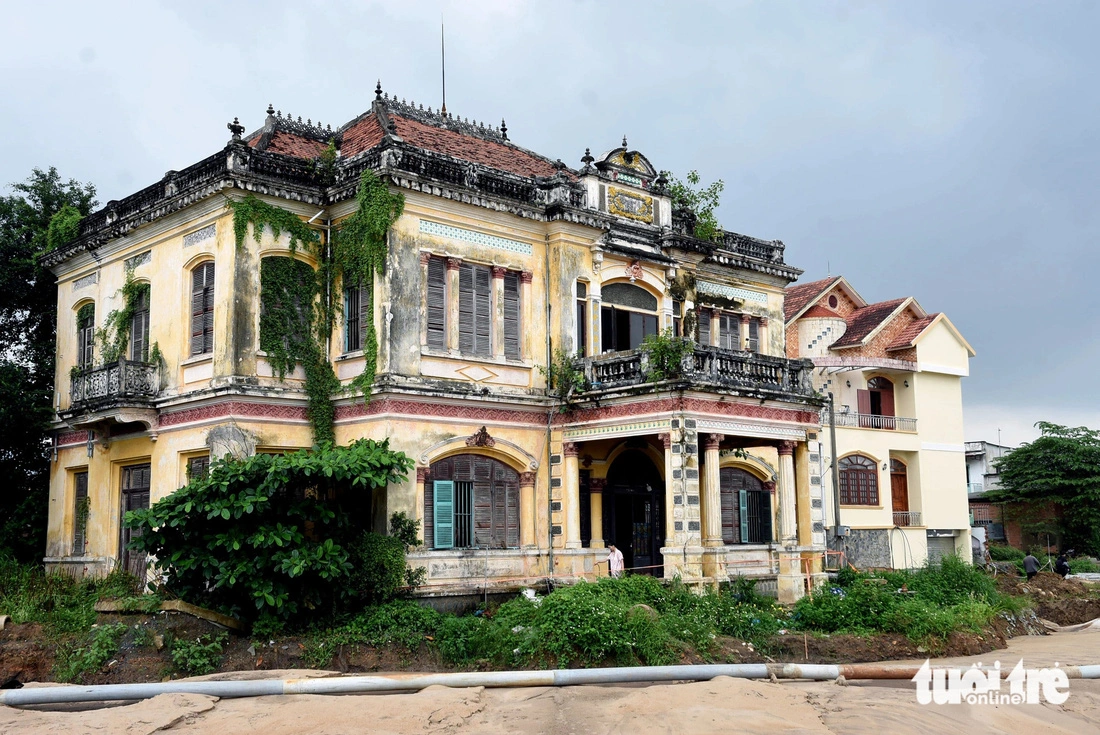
615	562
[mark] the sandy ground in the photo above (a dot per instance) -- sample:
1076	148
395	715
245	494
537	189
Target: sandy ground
718	706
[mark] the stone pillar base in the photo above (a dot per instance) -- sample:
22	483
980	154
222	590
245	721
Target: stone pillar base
714	565
791	588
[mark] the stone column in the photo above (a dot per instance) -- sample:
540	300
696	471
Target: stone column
712	493
570	486
595	324
787	513
596	487
746	320
527	521
525	307
673	490
452	303
421	492
497	310
765	348
424	258
715	322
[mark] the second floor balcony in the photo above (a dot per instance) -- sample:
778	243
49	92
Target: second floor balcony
125	383
703	367
872	421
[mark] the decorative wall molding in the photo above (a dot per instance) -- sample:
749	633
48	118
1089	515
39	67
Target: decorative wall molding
477	238
200	236
731	292
501	447
89	280
240	409
140	259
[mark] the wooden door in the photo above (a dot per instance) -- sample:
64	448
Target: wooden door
899	493
135	496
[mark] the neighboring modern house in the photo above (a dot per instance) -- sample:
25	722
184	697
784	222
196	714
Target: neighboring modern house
895	373
981	477
500	257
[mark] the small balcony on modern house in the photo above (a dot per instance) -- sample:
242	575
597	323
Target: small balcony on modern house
702	367
872	421
973	488
118	392
906	518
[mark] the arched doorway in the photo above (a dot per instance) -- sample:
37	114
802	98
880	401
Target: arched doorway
471	501
634	511
746	508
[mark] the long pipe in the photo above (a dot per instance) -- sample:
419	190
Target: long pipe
493	679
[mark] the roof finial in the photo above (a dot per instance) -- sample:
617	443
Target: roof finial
236	128
624	141
503	129
587	158
378	90
270	109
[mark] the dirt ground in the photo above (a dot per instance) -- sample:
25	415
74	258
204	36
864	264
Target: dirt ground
720	706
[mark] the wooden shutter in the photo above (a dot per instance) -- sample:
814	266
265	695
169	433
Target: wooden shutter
437	303
704	326
466	317
863	401
80	496
731	520
483	310
202	309
86	332
729	331
366	306
511	315
139	328
887	397
743	509
443	494
482	476
754	335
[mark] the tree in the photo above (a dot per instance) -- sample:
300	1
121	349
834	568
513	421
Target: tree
701	202
42	212
1058	471
274	537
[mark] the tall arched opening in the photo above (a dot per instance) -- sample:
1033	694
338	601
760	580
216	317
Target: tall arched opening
634	511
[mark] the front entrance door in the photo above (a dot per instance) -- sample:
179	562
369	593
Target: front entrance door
135	496
899	492
634	512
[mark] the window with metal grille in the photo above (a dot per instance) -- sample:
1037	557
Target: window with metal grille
437	303
475	310
198	467
746	508
135	496
202	309
352	338
139	327
80	512
471	501
858	480
582	319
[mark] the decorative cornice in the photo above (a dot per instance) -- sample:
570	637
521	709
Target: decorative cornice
422	474
786	448
713	442
527	479
569	449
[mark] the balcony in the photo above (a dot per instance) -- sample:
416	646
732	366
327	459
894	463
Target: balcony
903	519
704	367
120	392
974	487
872	421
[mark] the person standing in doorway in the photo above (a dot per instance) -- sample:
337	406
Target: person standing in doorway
1031	565
614	561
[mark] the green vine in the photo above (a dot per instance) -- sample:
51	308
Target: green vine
298	305
83	508
359	253
114	336
563	378
665	353
324	166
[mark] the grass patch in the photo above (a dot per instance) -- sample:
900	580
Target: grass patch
75	661
200	656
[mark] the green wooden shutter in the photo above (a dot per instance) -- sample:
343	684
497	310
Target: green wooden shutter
743	500
443	492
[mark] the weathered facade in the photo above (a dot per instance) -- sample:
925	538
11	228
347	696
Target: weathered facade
895	373
702	469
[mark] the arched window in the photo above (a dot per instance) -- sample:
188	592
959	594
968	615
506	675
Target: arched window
471	501
139	326
85	336
746	508
876	404
858	480
288	288
628	315
202	309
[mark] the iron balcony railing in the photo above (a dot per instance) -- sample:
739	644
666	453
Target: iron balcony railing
872	421
704	365
117	381
907	518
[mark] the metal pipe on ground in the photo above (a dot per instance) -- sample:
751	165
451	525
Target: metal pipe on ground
492	679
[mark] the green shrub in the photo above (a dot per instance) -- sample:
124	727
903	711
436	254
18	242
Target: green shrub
998	552
200	656
268	537
377	566
400	621
1083	566
74	662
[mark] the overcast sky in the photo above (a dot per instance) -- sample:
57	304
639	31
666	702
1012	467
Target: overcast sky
946	151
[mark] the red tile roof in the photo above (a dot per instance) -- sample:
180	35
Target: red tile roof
910	333
820	311
361	136
469	148
862	322
290	144
795	298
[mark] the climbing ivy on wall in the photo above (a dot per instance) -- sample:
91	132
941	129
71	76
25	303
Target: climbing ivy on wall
298	306
359	253
114	336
